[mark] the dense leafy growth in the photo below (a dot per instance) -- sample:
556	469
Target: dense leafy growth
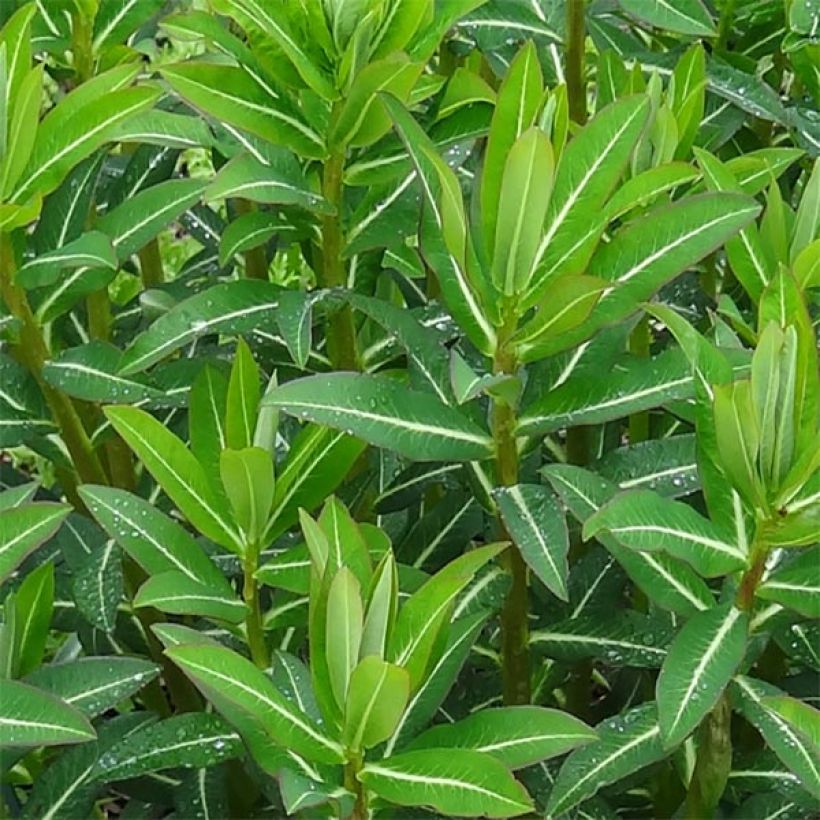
409	408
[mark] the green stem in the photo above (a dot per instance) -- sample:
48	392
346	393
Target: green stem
256	263
151	271
713	764
515	628
745	598
640	341
253	621
355	786
574	68
341	331
727	16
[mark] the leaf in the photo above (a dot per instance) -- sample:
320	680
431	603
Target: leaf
452	781
343	634
228	307
425	701
644	188
251	230
681	16
247	476
644	520
376	699
282	183
155	541
517	736
587	172
800	716
626	743
799	755
191	741
176	593
701	661
94	685
89	372
165	130
30	717
537	526
92	249
207	404
795	585
385	413
24	528
97	585
176	471
231	94
242	401
231	682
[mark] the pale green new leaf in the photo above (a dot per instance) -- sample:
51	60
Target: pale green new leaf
681	16
796	585
23	528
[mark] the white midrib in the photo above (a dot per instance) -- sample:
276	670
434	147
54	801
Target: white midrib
719	546
515	494
559	637
442	534
25	534
67	792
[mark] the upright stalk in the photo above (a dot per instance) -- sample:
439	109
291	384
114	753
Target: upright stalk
727	16
341	331
354	786
151	271
574	68
640	341
256	263
253	621
515	628
713	764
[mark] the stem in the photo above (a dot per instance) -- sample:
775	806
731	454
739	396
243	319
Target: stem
33	353
639	343
727	16
341	331
515	628
713	764
256	263
574	68
99	314
253	621
355	786
751	578
151	271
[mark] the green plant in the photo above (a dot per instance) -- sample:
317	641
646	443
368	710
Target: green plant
409	408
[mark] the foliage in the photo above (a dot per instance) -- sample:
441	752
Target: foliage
409	408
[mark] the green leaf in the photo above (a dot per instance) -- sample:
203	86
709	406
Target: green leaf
802	717
626	743
176	471
165	130
92	249
242	399
701	661
453	781
31	717
176	593
644	520
33	606
795	585
232	95
247	476
644	188
807	218
94	685
343	632
382	605
518	736
251	230
376	699
190	741
153	539
207	404
682	16
22	132
24	528
97	585
537	525
589	169
228	307
231	682
385	413
798	754
282	184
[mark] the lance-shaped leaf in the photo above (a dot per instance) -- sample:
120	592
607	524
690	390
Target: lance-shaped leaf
251	230
587	172
94	685
637	385
92	249
796	585
682	16
385	413
802	717
191	741
642	190
97	585
175	592
233	683
671	583
644	520
176	471
23	528
537	526
280	184
701	661
31	717
229	307
166	130
626	743
518	736
453	781
232	95
797	753
343	632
